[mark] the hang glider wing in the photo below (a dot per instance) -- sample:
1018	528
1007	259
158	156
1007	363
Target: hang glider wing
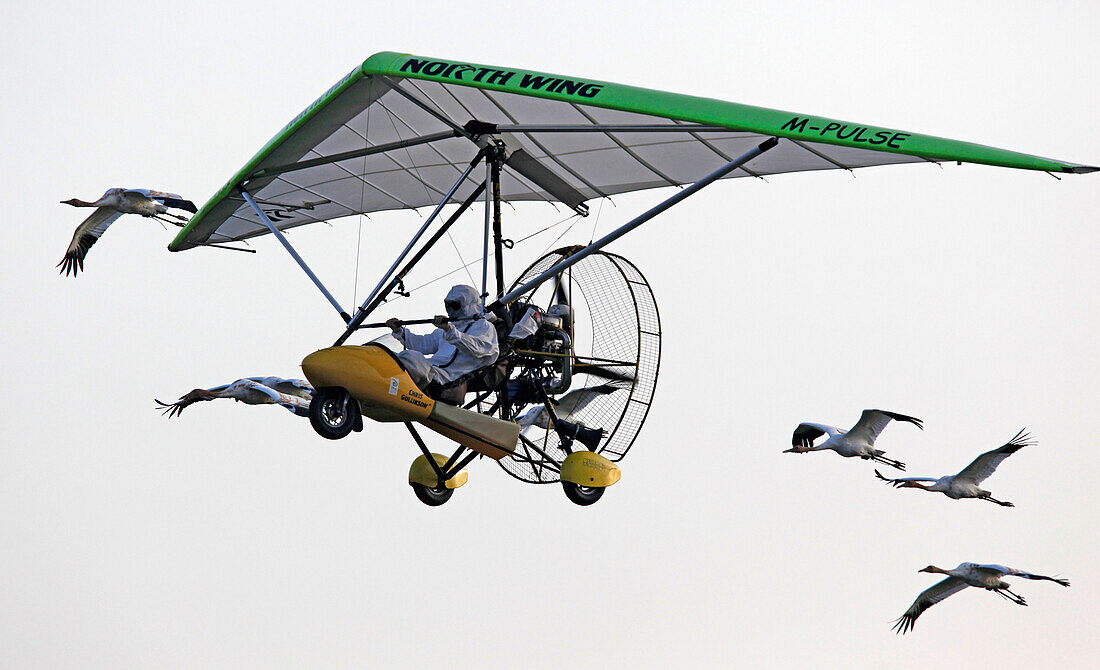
396	132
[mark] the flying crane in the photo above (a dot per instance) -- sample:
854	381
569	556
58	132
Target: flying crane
109	207
966	483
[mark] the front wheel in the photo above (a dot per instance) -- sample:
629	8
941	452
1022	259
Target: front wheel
433	497
333	413
582	495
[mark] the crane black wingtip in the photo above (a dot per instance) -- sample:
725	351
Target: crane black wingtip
1020	440
179	203
69	266
904	624
903	417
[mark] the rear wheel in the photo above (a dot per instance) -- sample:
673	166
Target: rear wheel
333	413
433	497
582	495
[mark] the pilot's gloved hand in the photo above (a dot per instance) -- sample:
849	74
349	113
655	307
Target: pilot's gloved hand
395	326
440	321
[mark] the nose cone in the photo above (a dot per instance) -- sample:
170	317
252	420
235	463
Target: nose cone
327	367
373	376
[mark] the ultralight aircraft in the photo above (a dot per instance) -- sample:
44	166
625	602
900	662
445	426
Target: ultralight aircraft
405	132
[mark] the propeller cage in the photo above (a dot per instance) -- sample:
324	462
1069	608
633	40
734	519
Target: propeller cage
602	314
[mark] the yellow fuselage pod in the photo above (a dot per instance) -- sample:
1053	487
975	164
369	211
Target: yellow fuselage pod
585	468
386	392
482	433
373	377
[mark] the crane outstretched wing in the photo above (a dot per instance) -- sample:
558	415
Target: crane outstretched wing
806	433
250	390
174	200
295	387
1004	570
872	421
575	401
195	395
984	465
901	480
85	235
570	404
926	599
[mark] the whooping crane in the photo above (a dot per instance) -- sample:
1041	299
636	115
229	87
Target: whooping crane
859	441
965	484
566	407
564	410
113	204
293	394
967	574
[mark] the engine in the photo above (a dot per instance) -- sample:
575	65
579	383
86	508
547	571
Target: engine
543	338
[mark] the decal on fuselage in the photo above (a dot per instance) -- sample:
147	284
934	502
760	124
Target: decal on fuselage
592	463
414	398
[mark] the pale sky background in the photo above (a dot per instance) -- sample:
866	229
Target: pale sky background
234	537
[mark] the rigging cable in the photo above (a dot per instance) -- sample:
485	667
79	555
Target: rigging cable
465	265
519	241
594	223
564	233
362	214
427	193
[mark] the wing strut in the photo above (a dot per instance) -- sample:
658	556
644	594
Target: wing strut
294	254
634	223
347	155
488	221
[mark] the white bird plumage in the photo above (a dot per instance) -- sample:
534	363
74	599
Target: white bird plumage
293	394
967	574
859	441
570	404
113	204
965	484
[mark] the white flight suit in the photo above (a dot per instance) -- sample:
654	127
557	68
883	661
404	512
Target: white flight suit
456	348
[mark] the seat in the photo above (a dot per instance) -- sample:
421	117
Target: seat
488	378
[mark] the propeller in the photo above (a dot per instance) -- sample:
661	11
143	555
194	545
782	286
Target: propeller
604	372
560	294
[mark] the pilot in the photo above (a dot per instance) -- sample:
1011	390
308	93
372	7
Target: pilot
457	348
